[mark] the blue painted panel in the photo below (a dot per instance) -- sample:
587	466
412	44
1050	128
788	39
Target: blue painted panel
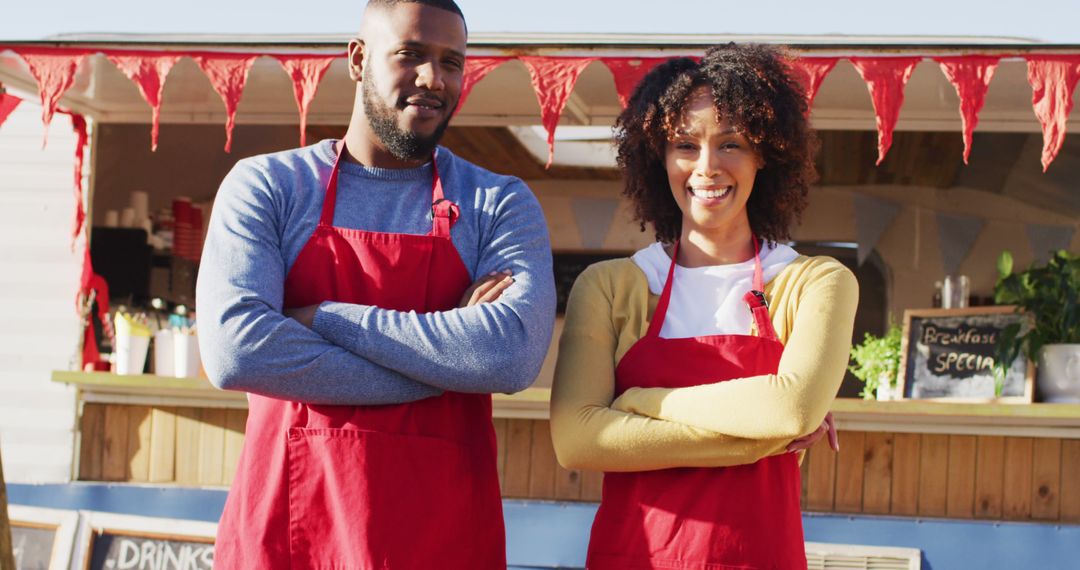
542	534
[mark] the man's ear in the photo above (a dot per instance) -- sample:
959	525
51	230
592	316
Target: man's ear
356	59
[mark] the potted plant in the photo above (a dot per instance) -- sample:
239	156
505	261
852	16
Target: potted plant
876	361
1050	294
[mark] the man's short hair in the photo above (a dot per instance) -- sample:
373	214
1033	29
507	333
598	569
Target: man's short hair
448	5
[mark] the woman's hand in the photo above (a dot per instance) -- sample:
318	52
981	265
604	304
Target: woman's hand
807	441
487	288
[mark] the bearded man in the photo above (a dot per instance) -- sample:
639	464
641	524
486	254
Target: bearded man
369	294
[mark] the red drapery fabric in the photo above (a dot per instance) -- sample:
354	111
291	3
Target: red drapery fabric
553	79
970	75
92	282
78	123
475	70
148	70
54	70
1053	79
811	72
885	77
227	73
306	71
7	106
628	72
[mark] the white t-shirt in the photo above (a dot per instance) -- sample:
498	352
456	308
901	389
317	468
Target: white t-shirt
708	300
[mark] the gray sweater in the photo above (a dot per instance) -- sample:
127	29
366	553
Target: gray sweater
264	214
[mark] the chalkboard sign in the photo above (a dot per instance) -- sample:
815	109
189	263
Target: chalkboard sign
568	265
949	354
33	545
125	542
42	539
128	550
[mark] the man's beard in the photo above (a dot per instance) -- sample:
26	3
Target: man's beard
404	145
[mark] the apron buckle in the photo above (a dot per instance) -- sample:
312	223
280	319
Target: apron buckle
760	296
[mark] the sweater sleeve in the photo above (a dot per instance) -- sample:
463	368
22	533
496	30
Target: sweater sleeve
492	347
791	403
245	341
588	434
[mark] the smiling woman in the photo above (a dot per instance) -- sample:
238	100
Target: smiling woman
690	372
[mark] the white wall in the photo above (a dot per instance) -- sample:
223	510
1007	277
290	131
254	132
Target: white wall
39	275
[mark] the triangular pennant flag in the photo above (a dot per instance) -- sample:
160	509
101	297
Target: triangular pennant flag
1045	240
148	71
306	71
970	75
475	70
872	217
553	79
956	235
885	78
593	217
811	72
7	106
78	124
54	70
1053	79
227	73
628	72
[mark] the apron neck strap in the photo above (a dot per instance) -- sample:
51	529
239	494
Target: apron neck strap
657	322
755	298
444	213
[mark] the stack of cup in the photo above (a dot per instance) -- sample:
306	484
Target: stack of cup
183	231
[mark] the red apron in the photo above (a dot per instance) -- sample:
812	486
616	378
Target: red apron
744	517
404	486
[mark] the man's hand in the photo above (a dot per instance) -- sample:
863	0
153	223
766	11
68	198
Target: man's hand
302	315
487	288
807	441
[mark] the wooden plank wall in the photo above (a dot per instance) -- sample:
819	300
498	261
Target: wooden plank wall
931	475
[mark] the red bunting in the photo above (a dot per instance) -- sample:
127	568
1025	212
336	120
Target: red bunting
971	76
227	73
78	123
306	71
7	105
148	71
885	77
475	70
553	79
54	70
628	72
811	72
1053	79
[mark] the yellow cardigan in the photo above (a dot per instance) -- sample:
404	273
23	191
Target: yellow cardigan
812	306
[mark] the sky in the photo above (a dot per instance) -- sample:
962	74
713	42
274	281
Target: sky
1053	21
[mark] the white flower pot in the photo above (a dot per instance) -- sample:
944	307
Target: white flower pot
1059	373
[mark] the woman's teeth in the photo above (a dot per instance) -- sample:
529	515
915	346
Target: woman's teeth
710	194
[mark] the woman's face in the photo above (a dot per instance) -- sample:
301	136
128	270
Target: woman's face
710	167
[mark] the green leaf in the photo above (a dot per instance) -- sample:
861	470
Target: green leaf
1005	264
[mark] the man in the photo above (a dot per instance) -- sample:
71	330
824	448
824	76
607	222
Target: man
335	290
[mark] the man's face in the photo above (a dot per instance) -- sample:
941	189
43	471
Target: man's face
414	59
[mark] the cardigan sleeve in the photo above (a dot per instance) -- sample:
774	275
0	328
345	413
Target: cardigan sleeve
588	434
790	403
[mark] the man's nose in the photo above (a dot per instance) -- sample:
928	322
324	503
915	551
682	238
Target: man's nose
429	76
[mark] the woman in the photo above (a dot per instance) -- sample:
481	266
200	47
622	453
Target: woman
691	370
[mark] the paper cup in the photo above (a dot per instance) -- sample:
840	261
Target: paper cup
131	353
164	351
187	361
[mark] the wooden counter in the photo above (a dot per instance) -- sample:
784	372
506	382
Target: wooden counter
906	458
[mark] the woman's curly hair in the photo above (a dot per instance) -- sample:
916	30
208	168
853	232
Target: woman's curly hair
754	89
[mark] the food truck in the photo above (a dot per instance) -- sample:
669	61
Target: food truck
937	154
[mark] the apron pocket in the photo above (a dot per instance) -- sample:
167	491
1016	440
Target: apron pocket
375	500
